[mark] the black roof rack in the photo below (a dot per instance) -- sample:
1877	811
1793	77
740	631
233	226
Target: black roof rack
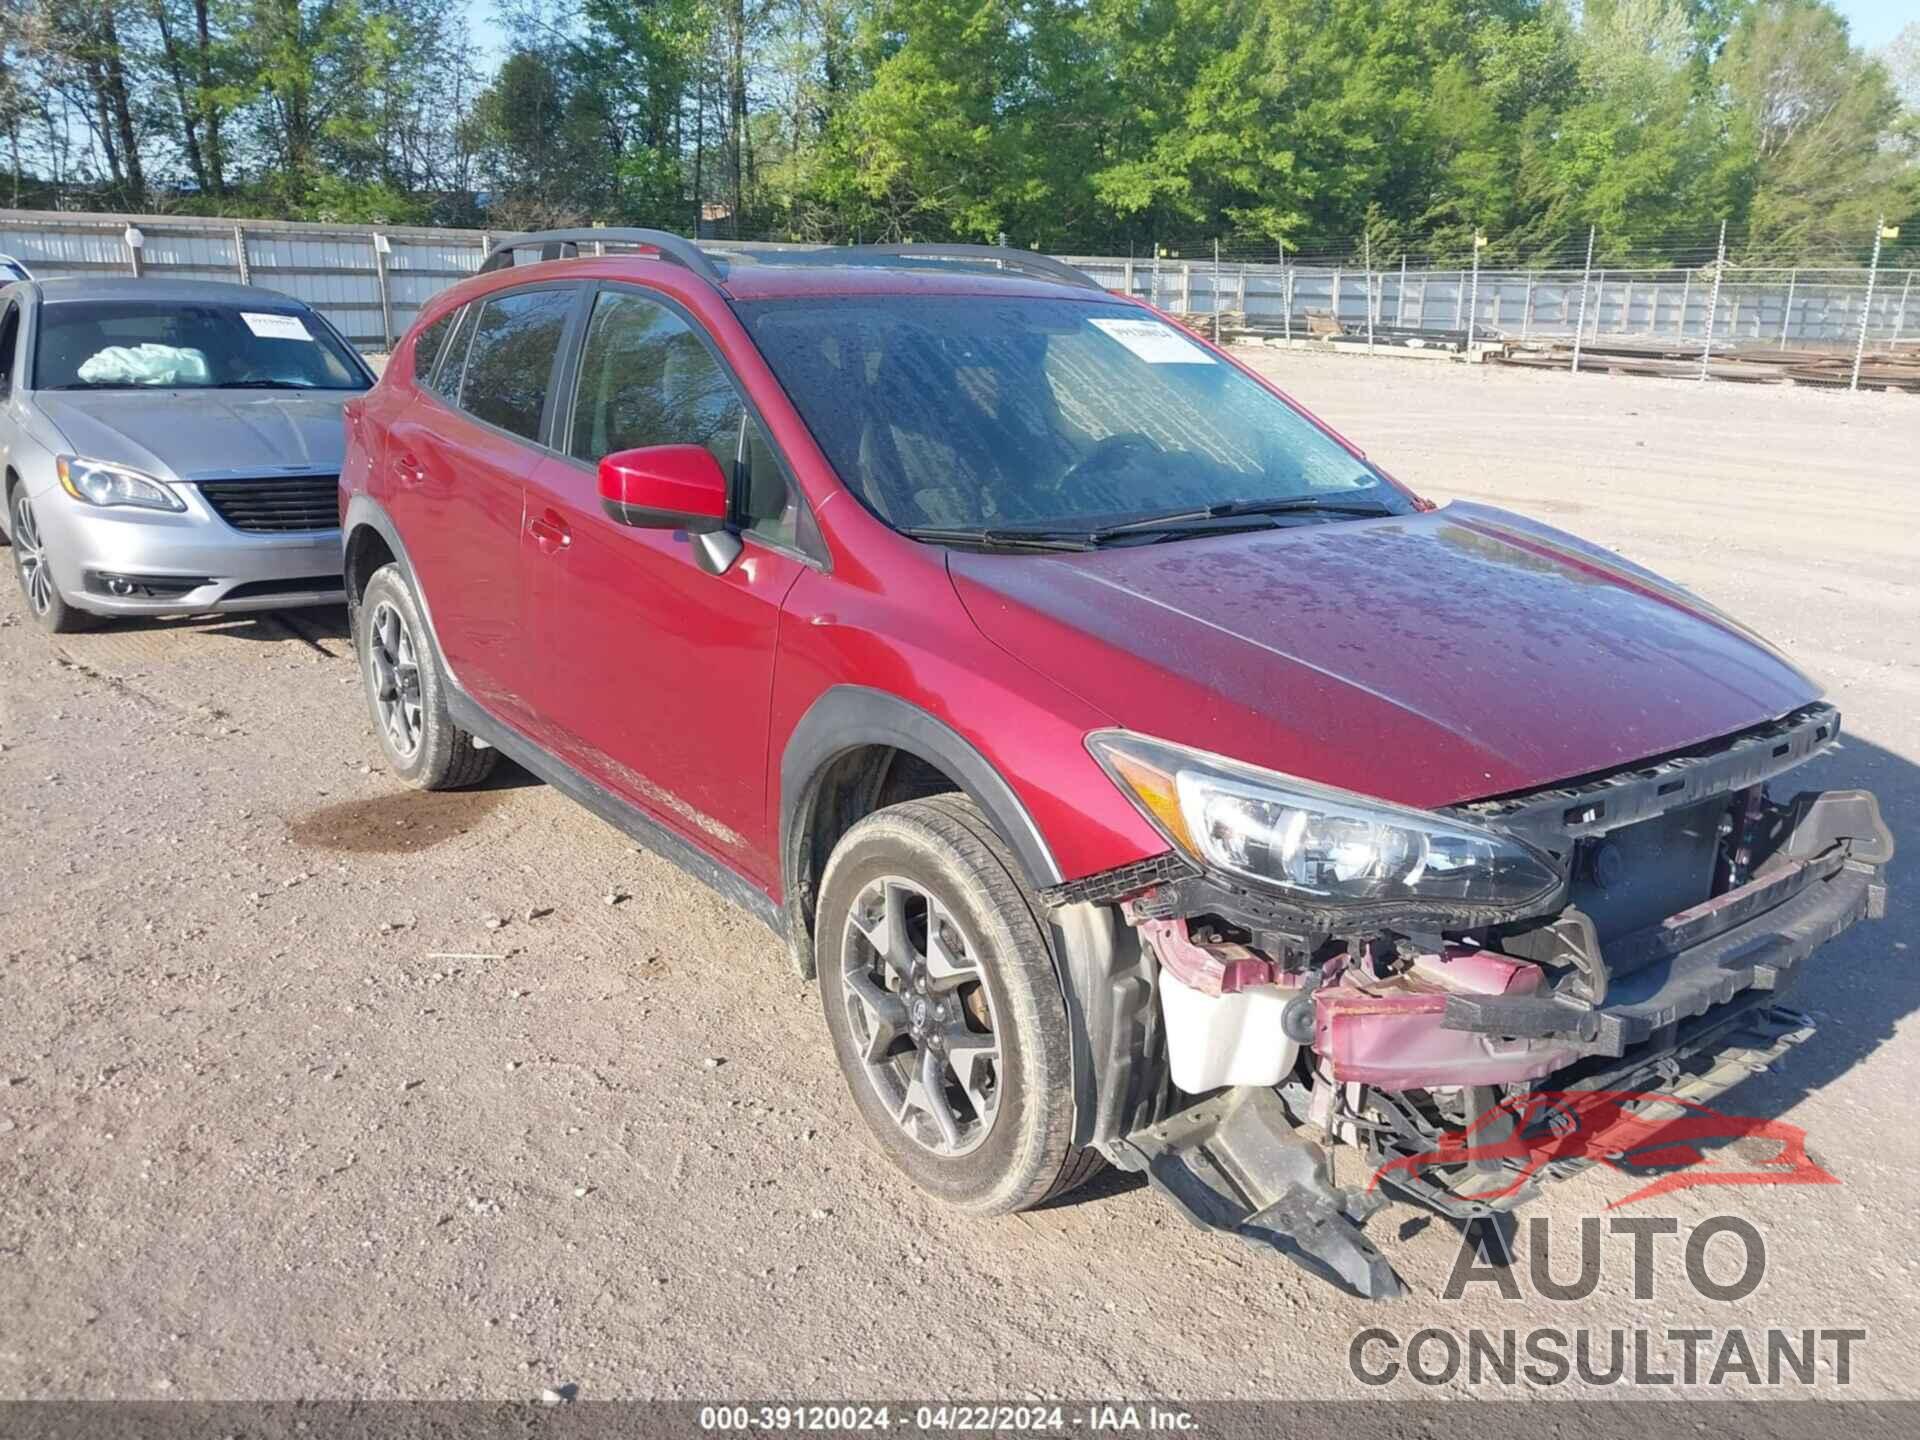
561	244
1027	261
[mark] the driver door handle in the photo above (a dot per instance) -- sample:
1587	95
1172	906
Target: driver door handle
550	532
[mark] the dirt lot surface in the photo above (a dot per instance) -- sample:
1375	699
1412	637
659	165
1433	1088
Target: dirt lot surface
313	1086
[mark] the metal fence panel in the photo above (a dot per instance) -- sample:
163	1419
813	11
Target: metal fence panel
334	269
330	267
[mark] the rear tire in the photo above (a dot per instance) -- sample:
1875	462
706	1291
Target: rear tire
945	1008
407	692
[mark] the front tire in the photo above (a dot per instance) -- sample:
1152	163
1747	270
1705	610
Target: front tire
945	1009
408	693
31	566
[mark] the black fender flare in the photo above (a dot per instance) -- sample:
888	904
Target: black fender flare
1097	960
366	513
848	717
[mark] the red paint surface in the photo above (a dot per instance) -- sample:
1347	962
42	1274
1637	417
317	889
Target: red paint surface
670	479
1426	659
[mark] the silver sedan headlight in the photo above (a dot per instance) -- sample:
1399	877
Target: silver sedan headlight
99	483
1316	846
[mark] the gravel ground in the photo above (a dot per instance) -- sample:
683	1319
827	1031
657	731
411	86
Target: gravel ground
312	1086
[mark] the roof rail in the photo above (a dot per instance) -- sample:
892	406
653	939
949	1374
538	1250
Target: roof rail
1028	261
563	243
559	244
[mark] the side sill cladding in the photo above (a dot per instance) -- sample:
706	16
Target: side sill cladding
848	717
628	819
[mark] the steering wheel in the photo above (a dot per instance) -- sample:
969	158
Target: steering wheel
1127	443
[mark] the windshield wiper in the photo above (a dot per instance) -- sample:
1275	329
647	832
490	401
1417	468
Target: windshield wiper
265	385
1005	539
1229	509
1174	521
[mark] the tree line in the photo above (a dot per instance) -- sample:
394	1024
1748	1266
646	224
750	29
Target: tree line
1065	125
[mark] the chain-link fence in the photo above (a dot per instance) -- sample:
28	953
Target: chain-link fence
1784	306
1667	305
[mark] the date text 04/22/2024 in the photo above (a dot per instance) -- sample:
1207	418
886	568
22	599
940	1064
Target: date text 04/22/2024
944	1418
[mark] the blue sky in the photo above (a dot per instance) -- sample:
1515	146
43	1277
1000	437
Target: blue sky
1874	22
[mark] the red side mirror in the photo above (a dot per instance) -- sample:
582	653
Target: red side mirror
665	487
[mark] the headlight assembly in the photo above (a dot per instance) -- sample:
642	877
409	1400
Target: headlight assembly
98	483
1318	847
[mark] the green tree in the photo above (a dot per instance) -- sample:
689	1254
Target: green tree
1638	145
543	143
1815	119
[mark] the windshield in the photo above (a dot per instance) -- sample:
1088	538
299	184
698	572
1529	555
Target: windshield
971	412
118	345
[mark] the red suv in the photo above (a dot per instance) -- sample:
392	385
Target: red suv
1143	772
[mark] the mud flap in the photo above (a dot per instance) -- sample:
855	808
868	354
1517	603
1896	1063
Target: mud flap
1234	1162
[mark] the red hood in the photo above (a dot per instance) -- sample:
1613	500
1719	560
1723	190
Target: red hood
1426	658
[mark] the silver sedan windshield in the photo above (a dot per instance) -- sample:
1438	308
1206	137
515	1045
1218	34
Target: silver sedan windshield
123	344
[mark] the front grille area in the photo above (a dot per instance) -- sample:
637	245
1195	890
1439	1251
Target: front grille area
277	504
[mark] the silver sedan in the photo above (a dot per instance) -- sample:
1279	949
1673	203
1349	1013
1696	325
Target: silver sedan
170	447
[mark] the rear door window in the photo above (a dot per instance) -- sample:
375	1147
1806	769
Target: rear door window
510	367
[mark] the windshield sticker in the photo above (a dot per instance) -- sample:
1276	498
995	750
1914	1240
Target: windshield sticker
276	327
1153	342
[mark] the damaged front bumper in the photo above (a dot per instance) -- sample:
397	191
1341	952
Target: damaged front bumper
1461	1014
1755	937
1397	1043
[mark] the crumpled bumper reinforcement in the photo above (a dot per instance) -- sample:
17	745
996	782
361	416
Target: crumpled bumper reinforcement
1752	938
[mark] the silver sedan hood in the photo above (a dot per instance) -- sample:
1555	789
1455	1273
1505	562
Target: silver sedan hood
203	434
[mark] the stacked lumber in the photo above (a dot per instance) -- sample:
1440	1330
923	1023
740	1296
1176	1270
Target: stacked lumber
1746	363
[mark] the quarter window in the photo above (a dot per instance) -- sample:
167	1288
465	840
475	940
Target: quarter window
769	506
510	367
446	384
426	348
9	342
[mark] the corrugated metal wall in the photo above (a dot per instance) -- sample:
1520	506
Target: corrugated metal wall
331	267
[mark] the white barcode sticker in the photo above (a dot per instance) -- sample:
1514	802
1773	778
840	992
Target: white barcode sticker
1153	341
276	327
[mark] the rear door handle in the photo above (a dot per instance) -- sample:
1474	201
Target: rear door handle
550	532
